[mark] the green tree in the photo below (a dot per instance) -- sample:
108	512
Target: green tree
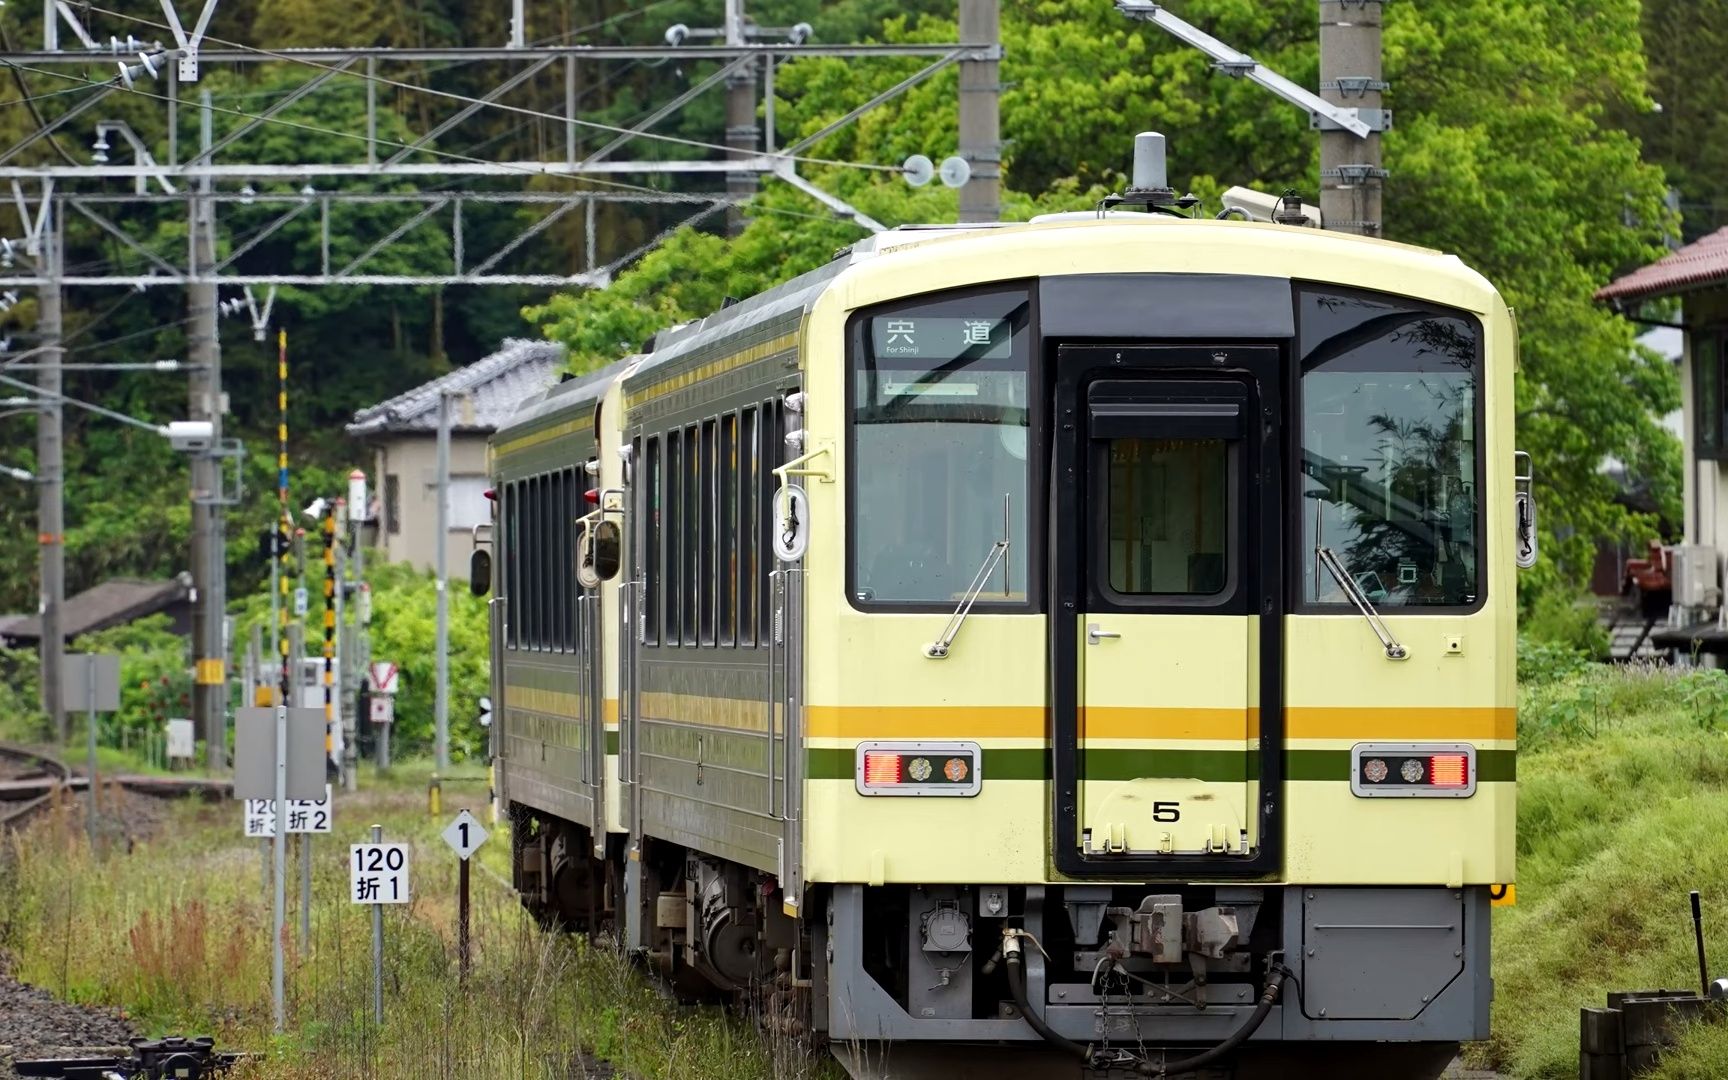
1504	154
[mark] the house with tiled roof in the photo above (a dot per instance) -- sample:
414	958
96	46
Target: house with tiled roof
1696	276
402	433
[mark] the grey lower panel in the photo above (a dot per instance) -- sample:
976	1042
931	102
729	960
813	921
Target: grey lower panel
549	793
857	1007
1410	963
710	788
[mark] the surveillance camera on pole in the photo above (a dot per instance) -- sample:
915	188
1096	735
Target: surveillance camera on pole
191	436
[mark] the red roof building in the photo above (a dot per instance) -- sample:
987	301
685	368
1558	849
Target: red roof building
1696	275
1699	265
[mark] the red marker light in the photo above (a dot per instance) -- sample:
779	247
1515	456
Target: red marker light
881	768
592	495
1449	771
492	494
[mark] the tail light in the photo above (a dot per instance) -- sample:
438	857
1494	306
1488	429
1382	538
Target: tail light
918	768
1413	770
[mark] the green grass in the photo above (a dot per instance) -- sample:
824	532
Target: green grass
176	933
1623	808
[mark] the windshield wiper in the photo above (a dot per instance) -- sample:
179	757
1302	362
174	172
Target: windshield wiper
938	649
1394	651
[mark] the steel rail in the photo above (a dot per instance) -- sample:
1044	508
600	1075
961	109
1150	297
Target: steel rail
15	813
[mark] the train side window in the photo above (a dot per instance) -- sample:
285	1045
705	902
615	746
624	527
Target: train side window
569	587
773	450
542	560
727	533
692	528
746	528
525	575
649	570
709	574
556	584
512	564
674	529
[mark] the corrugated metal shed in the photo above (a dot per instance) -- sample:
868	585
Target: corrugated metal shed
1698	265
494	387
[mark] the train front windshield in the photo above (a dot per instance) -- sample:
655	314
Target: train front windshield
939	450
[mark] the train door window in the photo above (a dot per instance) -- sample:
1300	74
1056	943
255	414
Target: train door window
1169	516
727	533
649	571
747	546
692	527
673	528
709	573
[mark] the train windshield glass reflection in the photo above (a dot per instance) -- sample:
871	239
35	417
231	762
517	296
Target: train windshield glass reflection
939	439
1390	462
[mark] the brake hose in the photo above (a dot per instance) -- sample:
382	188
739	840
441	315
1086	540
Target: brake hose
1016	972
1268	996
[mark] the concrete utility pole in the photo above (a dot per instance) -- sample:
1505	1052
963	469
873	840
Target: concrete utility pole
210	685
743	137
51	478
1351	177
980	112
441	708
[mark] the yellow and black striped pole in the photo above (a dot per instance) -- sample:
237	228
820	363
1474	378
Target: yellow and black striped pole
329	630
285	520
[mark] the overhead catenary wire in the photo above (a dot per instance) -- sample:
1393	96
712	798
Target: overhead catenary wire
465	99
393	144
710	200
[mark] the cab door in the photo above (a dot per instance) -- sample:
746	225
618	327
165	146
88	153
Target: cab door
1168	662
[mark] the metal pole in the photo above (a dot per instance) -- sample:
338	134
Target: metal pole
378	945
51	495
205	403
980	113
462	958
305	894
279	852
742	134
518	31
90	705
441	713
1351	177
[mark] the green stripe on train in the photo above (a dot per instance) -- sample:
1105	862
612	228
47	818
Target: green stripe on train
1219	766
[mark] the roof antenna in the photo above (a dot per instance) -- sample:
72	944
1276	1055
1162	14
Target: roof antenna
1150	184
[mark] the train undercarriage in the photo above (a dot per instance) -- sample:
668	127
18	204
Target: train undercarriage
1085	979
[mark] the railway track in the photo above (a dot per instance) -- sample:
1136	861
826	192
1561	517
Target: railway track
28	781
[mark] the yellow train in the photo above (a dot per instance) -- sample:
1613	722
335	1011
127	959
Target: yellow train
1091	637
